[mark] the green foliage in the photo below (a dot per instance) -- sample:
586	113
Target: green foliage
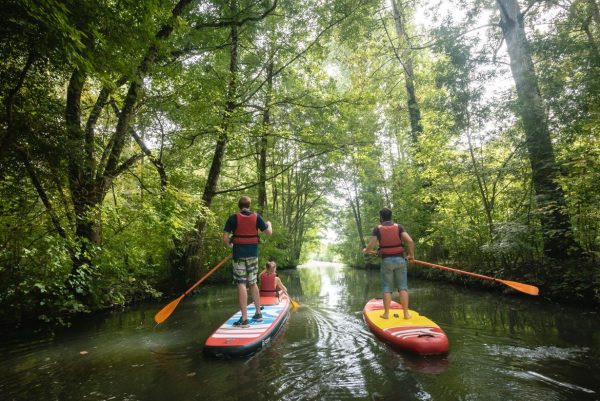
464	191
332	115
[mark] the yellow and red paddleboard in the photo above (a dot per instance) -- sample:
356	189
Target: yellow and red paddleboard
417	334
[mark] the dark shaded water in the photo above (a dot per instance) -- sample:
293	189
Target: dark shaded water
502	347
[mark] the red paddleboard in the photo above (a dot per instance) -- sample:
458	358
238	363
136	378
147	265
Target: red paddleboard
229	340
418	334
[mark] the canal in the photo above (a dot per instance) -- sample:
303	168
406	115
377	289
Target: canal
503	346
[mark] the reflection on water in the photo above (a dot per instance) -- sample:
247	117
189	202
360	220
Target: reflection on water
502	347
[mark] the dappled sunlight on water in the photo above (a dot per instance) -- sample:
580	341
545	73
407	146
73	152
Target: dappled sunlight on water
502	347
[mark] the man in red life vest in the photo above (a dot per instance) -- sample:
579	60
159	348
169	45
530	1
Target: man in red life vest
392	239
241	234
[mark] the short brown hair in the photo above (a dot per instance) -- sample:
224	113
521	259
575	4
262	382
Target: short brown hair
385	214
244	202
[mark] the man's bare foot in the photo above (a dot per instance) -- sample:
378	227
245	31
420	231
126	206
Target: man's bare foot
384	316
407	316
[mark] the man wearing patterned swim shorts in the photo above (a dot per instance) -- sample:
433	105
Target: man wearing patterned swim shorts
241	233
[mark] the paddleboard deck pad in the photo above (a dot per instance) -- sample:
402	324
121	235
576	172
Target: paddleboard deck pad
229	340
418	334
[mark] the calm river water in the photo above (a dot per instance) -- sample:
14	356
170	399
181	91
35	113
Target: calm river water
502	347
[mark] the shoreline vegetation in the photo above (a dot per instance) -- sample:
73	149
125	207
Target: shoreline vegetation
129	130
562	293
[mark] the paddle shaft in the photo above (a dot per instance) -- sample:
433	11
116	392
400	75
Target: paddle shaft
207	275
522	287
526	288
451	269
456	270
165	312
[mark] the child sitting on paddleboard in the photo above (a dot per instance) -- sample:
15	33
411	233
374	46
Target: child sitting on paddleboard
270	284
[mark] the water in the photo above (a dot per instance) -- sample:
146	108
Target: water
502	347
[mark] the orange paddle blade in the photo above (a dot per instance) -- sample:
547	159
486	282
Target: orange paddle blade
526	288
165	312
295	305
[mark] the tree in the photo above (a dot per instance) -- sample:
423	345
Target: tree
557	232
405	58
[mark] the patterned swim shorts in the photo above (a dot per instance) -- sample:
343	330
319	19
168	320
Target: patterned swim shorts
245	270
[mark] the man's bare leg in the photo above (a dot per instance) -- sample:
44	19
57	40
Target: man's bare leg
243	297
255	296
404	303
387	300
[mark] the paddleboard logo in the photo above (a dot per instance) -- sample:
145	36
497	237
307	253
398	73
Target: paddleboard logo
415	332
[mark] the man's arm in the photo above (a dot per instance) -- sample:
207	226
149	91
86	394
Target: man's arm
371	245
411	245
227	231
226	240
269	229
265	228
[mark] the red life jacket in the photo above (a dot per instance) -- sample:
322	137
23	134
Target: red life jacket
390	242
245	229
267	284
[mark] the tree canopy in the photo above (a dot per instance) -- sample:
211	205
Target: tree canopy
130	129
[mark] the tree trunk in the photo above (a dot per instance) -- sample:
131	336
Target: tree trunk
488	206
358	221
89	181
192	257
354	200
262	161
556	227
10	133
83	190
414	110
595	11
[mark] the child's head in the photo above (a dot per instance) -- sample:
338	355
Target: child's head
271	266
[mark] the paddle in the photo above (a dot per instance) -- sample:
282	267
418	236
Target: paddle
165	312
526	288
295	305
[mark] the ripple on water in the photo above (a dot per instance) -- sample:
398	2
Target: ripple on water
523	359
325	352
559	383
537	353
575	355
329	361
